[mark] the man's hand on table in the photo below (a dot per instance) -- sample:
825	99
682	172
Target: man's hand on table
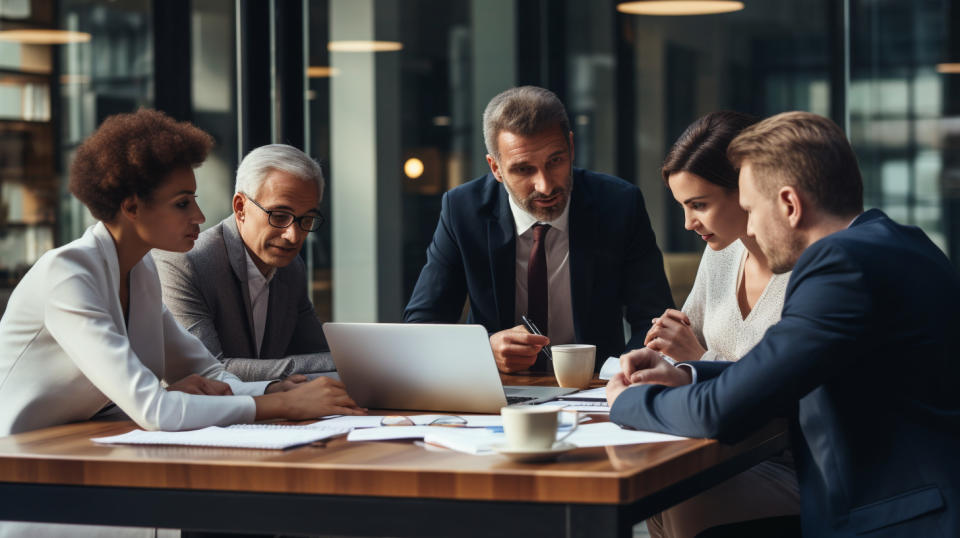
516	349
645	367
197	384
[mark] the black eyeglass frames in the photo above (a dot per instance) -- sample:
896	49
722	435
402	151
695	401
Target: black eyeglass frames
283	219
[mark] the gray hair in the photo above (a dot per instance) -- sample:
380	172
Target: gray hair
258	164
524	111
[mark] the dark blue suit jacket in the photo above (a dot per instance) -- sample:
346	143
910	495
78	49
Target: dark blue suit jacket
616	269
864	361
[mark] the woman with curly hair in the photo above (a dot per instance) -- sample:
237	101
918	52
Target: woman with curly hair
85	331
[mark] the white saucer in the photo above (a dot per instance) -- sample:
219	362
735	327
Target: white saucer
537	454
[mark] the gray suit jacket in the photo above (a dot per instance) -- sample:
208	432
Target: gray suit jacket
206	290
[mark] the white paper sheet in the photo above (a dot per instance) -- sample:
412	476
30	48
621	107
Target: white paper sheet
388	433
473	421
349	422
261	436
609	434
478	441
610	367
599	393
584	406
481	440
587	401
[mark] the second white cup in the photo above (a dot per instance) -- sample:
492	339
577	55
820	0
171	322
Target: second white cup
573	364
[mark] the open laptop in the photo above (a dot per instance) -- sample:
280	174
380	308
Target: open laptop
424	367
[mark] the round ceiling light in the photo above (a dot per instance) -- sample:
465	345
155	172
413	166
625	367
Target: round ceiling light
322	71
679	7
364	46
30	36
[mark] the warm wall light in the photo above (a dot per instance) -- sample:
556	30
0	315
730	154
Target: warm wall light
322	71
679	7
949	68
29	36
413	168
364	46
68	78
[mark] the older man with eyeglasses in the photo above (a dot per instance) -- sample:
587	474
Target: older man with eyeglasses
243	289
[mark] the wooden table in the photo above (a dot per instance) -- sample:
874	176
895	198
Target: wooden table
362	489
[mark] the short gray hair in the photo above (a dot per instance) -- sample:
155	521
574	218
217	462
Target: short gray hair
258	164
524	111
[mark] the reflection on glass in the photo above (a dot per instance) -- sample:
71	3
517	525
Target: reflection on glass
110	74
772	57
317	246
93	60
213	91
28	177
897	106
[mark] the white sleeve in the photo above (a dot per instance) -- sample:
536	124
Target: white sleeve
691	369
695	305
77	316
185	354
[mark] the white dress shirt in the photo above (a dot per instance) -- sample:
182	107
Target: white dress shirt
559	302
66	350
259	286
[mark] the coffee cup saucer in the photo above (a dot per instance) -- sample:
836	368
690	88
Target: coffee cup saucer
535	454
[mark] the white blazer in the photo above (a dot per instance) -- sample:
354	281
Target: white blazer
65	351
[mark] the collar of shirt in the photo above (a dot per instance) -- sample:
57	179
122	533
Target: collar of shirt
524	221
254	276
855	219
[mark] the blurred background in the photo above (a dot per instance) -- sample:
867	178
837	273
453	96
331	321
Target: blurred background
388	96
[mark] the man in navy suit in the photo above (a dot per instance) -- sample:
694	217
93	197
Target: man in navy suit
587	233
862	361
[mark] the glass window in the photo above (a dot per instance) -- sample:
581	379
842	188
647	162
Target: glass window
214	102
899	112
319	72
54	90
111	73
770	57
398	118
397	125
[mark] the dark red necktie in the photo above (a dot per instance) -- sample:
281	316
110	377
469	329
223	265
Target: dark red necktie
537	286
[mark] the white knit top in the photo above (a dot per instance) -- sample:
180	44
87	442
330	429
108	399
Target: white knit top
714	311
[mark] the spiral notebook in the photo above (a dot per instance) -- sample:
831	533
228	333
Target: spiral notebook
259	436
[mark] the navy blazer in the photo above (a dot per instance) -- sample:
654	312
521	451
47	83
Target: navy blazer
864	363
616	269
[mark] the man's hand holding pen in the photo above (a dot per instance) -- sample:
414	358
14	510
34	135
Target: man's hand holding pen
516	349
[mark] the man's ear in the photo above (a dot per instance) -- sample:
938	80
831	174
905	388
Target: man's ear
494	167
570	143
238	201
790	205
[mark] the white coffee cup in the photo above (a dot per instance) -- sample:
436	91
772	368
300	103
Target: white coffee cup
573	364
533	427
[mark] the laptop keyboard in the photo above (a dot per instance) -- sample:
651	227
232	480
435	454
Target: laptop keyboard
511	400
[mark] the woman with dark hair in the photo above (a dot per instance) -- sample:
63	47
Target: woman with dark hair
85	331
734	299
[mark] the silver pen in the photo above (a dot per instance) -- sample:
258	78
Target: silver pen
532	327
